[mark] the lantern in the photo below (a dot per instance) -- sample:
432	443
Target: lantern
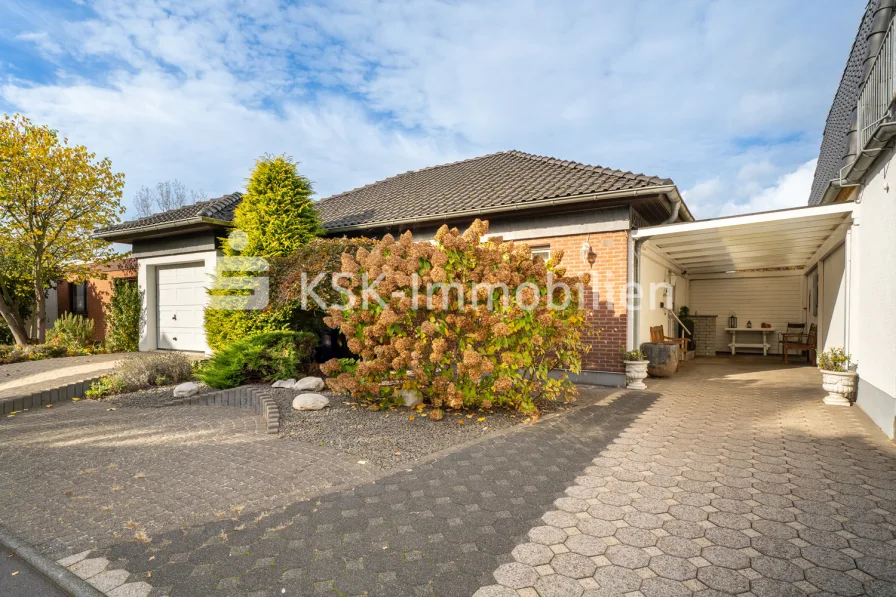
732	321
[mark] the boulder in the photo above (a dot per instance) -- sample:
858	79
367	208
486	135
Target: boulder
411	398
309	384
284	383
185	390
310	402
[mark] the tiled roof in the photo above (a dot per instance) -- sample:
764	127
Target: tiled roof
840	118
221	208
509	178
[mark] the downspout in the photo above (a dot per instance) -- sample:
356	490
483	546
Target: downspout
634	308
675	205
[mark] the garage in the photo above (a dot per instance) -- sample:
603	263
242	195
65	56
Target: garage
181	297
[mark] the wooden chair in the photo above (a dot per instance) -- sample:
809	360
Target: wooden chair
794	330
658	335
810	345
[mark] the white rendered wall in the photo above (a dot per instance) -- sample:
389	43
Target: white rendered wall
654	275
872	317
833	321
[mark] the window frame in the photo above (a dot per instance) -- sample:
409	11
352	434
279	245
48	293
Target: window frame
73	298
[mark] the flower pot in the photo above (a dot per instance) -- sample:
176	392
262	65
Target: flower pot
635	372
663	358
840	386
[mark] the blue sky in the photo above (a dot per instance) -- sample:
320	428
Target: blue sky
727	98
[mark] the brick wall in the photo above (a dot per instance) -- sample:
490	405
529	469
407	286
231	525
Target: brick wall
99	292
705	335
609	276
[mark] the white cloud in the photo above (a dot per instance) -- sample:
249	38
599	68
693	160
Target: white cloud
360	90
712	198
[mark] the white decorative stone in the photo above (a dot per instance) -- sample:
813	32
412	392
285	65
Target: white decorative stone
284	383
185	390
411	398
310	402
309	384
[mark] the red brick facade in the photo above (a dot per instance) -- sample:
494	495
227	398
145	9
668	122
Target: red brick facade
99	292
609	277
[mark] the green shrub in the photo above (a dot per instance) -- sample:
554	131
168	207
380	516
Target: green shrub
263	357
5	334
124	316
105	386
633	355
72	332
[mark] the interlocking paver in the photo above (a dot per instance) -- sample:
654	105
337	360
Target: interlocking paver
724	487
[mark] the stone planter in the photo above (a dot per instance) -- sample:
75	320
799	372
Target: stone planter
840	386
663	358
635	372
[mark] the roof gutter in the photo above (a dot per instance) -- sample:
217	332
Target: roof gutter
667	191
112	234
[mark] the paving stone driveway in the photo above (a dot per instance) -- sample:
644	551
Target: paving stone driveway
20	379
730	478
735	482
78	476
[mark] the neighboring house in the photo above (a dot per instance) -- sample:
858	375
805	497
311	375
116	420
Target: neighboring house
90	297
856	164
545	202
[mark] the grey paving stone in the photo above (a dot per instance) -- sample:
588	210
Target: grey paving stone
573	565
617	580
725	557
515	575
723	579
586	545
557	585
627	556
89	567
673	568
547	535
535	554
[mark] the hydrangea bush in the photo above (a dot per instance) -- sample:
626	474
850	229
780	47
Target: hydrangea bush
470	347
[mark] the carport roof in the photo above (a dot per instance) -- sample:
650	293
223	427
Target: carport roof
785	239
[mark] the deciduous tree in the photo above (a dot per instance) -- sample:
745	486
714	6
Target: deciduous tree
53	195
165	196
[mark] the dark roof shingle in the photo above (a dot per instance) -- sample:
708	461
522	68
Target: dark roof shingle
840	118
509	178
221	208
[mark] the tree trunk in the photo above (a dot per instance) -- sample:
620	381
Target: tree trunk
39	316
12	319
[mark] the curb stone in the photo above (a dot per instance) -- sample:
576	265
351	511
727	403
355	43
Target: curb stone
247	397
76	389
53	572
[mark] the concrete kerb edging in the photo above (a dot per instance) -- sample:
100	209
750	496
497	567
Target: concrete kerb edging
75	389
251	398
53	572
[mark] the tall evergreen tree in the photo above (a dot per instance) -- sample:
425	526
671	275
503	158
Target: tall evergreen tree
276	213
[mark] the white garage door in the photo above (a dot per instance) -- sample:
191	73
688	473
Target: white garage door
181	302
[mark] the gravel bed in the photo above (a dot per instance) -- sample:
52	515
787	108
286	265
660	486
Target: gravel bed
387	438
149	398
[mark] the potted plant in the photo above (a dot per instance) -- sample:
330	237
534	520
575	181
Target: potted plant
838	378
635	369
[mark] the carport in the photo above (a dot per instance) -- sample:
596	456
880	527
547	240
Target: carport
779	267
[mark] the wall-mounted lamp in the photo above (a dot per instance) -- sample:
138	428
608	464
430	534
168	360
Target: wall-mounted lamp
585	252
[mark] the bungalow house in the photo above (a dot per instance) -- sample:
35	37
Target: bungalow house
831	264
588	211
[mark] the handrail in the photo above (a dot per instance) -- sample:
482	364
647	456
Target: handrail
680	322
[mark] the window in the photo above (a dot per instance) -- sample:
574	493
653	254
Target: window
543	251
79	298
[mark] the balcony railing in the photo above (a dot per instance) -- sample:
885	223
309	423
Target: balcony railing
877	96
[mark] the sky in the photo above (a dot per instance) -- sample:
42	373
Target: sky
727	98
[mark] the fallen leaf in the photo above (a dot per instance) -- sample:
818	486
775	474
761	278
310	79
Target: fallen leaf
75	399
411	418
49	406
14	573
397	453
460	422
470	416
481	419
110	409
